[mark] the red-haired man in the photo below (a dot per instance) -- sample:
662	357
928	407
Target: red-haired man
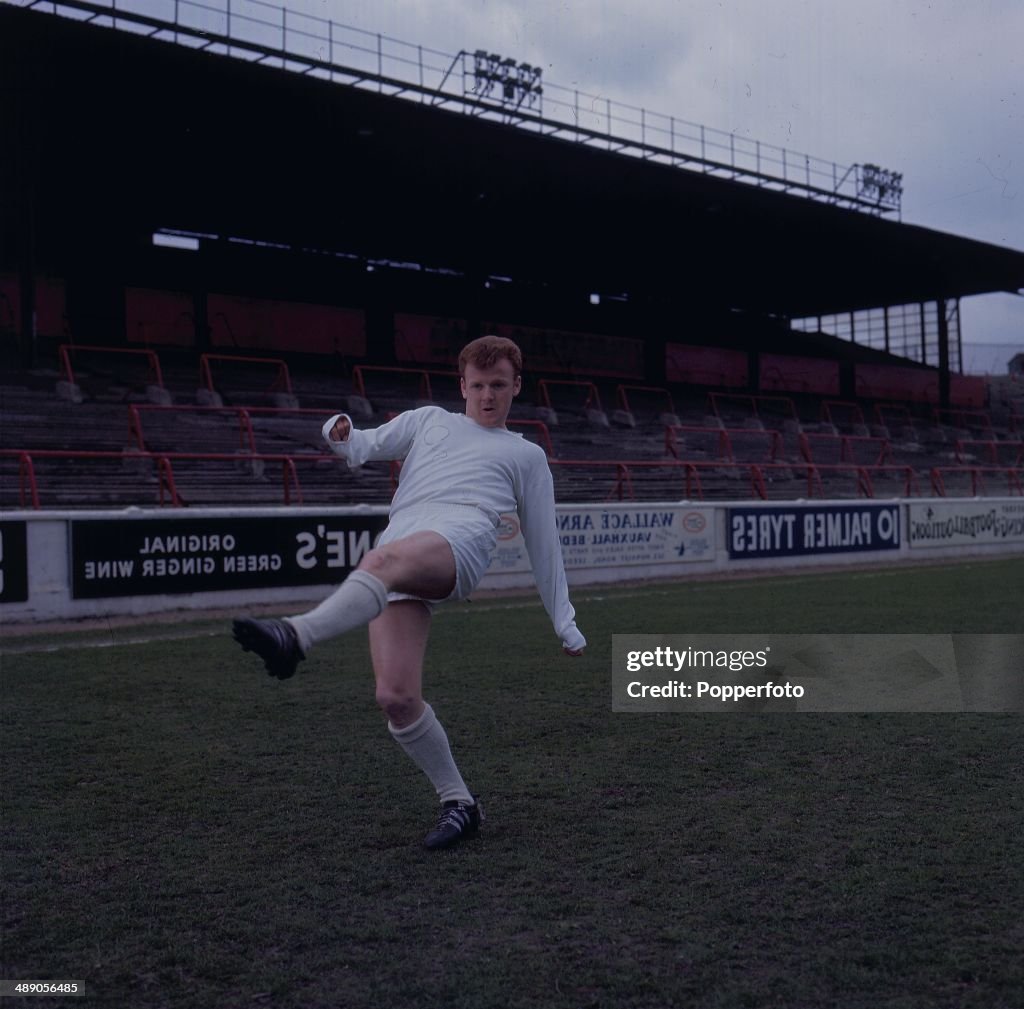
460	473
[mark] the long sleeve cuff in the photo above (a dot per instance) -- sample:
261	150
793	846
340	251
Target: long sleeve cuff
338	447
573	639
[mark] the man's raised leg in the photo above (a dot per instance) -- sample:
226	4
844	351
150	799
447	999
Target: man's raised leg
421	564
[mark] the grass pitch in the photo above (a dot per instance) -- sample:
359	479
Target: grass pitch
181	830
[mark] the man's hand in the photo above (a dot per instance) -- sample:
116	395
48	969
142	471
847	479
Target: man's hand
573	643
340	430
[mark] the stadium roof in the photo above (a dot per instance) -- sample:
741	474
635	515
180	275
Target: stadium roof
121	135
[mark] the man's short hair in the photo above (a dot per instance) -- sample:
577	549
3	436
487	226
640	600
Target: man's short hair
487	351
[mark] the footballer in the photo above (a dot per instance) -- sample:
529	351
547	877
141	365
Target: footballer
460	473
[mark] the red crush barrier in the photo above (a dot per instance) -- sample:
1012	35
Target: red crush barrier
622	391
977	475
361	370
28	484
724	437
754	405
847	444
592	402
67	350
281	383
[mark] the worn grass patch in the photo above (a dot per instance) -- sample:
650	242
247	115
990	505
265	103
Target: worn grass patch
180	830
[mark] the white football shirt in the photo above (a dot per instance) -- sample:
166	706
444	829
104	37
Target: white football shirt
447	458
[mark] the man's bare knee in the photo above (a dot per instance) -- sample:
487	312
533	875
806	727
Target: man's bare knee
379	562
422	565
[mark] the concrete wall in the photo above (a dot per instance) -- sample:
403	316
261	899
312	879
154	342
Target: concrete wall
67	565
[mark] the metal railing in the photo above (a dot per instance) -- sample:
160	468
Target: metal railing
723	437
755	407
66	351
804	479
260	32
650	392
167	491
243	414
977	475
282	377
831	409
847	444
360	371
969	419
992	450
545	385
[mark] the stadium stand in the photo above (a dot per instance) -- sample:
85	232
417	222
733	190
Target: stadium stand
109	451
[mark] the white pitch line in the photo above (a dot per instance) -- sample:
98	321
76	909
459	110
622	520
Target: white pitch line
79	643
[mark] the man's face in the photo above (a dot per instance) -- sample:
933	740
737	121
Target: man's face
489	392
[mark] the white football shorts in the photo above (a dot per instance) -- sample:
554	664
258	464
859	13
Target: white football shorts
469	532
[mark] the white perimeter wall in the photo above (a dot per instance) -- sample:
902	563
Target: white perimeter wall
601	543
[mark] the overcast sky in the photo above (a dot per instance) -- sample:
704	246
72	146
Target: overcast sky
933	90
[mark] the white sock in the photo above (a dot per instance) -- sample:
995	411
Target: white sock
426	743
359	599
